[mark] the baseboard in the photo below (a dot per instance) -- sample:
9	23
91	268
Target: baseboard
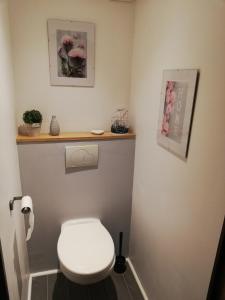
29	288
43	273
25	288
137	279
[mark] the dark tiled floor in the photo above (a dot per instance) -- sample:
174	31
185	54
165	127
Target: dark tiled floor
57	287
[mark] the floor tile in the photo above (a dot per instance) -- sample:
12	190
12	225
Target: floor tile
120	286
98	290
132	285
58	287
77	291
39	288
110	288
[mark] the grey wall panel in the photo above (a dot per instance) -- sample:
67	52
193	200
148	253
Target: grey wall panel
58	195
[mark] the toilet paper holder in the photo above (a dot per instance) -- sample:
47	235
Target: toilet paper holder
25	210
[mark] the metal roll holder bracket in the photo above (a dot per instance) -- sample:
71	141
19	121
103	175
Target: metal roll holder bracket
25	210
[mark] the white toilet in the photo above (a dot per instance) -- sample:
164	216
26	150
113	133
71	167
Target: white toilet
85	250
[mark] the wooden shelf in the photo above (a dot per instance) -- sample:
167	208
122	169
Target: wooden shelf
73	136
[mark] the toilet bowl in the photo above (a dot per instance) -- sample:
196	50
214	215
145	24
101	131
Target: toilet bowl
85	250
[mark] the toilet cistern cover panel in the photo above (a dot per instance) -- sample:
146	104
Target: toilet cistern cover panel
86	248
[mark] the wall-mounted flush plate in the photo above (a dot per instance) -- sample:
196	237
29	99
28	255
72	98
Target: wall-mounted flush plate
123	0
81	156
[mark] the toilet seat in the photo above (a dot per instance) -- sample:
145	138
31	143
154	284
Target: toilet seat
85	250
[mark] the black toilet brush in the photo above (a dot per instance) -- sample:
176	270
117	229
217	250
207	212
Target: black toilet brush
120	264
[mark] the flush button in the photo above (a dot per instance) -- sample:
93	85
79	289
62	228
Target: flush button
81	156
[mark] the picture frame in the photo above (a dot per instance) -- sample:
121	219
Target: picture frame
71	53
176	110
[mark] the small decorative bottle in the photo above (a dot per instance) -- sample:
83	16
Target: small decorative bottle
54	126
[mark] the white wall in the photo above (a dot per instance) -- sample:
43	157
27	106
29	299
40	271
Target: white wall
11	227
77	108
178	207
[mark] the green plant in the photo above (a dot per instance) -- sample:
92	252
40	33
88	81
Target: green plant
32	116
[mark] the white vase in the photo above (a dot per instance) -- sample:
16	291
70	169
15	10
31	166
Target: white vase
54	126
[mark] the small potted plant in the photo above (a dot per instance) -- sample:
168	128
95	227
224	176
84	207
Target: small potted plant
32	120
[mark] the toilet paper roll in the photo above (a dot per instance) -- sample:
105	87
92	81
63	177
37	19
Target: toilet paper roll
28	204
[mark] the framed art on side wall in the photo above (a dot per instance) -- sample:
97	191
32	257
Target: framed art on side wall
71	53
176	110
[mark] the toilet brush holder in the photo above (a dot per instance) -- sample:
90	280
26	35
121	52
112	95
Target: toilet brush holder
120	264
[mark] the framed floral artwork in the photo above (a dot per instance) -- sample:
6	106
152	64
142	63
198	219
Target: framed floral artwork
176	110
71	53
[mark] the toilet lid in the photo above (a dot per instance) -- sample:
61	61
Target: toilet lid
85	248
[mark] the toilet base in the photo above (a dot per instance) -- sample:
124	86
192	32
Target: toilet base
85	279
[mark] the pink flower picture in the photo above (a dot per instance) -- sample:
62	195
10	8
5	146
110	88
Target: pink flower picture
72	54
168	107
176	107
